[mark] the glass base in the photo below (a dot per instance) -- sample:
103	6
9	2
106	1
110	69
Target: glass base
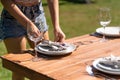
35	59
103	40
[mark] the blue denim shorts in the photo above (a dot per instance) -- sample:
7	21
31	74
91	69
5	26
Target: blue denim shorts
11	28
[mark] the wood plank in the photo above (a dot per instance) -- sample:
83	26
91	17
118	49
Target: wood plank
70	67
31	74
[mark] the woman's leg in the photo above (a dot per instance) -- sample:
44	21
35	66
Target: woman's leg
18	45
15	45
46	36
16	76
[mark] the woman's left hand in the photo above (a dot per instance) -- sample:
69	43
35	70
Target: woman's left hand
59	35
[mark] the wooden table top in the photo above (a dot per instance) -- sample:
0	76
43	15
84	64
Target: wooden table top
68	67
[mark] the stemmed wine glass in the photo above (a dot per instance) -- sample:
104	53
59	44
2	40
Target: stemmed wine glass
41	28
35	38
105	19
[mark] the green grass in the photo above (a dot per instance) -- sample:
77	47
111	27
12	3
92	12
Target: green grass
76	19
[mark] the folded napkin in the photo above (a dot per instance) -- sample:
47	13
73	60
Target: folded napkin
53	46
112	61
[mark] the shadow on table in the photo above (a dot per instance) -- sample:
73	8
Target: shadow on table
52	57
45	56
100	36
106	75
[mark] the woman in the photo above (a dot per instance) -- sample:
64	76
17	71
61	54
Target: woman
15	17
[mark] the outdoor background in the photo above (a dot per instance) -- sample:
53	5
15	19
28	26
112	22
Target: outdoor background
76	18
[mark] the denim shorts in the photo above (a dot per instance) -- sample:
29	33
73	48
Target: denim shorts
11	28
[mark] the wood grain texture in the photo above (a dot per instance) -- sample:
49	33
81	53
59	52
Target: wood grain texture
68	67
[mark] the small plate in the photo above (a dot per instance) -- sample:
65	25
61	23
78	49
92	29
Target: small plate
106	70
109	31
70	48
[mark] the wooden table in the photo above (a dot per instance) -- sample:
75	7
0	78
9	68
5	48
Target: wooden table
69	67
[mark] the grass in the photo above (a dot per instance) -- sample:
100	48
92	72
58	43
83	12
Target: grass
76	19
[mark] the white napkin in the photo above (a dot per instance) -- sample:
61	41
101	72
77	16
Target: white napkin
53	46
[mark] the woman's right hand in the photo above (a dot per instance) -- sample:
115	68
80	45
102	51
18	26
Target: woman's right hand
31	27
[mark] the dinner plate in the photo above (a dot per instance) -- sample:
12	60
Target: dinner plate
106	70
107	67
70	48
109	31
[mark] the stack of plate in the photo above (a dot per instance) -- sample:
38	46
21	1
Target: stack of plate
48	51
112	31
105	68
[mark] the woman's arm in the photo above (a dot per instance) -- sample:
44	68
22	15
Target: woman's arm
12	8
54	11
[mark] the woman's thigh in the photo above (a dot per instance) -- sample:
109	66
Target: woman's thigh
15	45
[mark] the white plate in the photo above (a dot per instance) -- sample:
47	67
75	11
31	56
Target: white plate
108	68
70	48
109	31
95	64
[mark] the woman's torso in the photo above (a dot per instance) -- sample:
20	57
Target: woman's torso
27	2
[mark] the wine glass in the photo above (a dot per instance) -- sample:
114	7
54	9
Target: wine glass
105	19
42	27
35	38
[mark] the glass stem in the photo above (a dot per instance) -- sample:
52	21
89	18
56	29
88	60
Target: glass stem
36	55
119	30
104	33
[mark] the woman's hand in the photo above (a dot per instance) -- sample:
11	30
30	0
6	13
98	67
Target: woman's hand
54	11
33	29
59	35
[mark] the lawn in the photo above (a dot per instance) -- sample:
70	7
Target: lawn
76	19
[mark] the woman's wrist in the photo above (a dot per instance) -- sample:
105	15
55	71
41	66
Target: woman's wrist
29	23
